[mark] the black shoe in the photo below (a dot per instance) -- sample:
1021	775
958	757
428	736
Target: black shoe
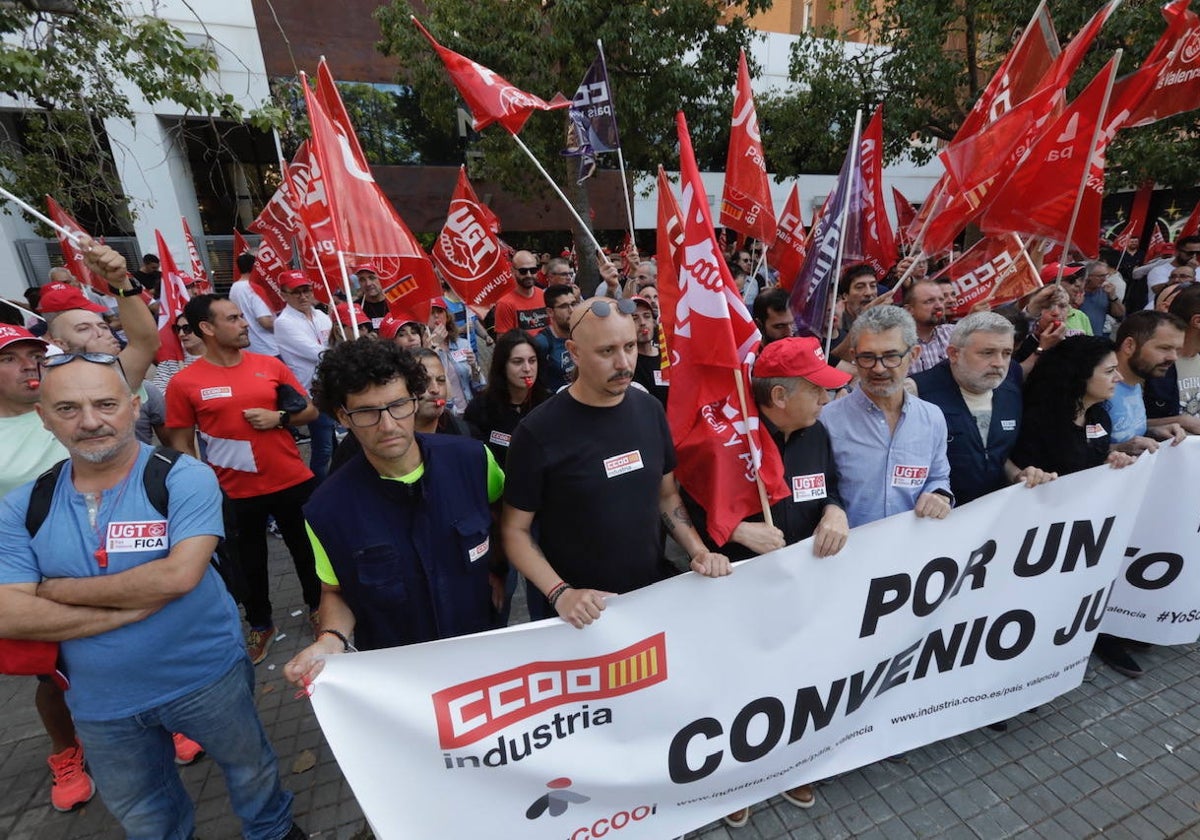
1113	654
998	726
295	833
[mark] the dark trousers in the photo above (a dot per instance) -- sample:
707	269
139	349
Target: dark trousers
247	533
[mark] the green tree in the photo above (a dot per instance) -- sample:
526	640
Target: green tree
928	61
661	57
63	60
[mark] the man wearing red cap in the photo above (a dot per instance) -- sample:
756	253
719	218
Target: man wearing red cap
351	314
302	335
373	301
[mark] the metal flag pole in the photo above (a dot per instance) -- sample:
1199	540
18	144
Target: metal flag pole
620	156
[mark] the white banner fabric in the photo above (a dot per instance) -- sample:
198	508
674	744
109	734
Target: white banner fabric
1156	598
695	697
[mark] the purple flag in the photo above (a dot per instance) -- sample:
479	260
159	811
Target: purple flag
592	122
819	273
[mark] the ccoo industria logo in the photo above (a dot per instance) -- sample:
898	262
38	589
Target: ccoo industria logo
481	707
555	801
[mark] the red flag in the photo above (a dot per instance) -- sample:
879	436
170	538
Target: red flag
667	254
198	270
1173	66
718	445
318	250
172	296
365	223
746	201
489	97
331	99
878	243
239	247
72	256
906	214
278	224
468	252
993	270
1137	217
1191	226
1039	197
787	252
1159	247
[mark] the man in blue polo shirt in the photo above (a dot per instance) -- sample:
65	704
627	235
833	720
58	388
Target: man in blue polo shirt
889	446
150	638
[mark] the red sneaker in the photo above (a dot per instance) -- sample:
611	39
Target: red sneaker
187	751
72	786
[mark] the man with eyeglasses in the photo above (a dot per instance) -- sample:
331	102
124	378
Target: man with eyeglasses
1187	252
555	365
522	308
232	397
148	634
599	442
402	531
889	446
302	335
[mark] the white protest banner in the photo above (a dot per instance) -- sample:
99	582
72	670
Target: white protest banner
1156	598
697	696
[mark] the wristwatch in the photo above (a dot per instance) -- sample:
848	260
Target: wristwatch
945	494
284	417
134	289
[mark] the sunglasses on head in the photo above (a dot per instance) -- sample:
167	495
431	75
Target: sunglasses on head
66	358
603	309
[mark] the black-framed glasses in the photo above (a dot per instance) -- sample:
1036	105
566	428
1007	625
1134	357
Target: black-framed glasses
570	304
603	309
533	270
892	360
364	418
181	329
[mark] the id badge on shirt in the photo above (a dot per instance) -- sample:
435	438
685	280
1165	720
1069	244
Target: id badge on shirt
904	475
808	487
499	438
621	464
1095	431
136	536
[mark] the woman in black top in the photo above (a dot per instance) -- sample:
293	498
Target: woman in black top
512	391
1065	427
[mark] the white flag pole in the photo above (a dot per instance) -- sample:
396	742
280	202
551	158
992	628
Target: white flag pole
620	156
41	217
346	288
837	265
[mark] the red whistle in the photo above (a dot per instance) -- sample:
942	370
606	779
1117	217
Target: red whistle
439	403
528	380
101	556
33	383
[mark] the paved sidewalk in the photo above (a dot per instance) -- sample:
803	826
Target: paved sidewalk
1116	757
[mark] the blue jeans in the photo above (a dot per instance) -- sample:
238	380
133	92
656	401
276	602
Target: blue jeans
320	447
133	762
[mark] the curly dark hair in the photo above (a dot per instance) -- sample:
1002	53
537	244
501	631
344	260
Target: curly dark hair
1055	388
497	382
354	366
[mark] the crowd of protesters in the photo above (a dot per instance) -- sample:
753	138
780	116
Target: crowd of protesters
420	473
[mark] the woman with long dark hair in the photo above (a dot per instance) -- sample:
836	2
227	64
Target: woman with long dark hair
1065	427
512	391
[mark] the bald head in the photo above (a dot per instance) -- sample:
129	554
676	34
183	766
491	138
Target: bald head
89	409
604	348
81	331
524	266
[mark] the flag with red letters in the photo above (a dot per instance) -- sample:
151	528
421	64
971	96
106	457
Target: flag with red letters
787	251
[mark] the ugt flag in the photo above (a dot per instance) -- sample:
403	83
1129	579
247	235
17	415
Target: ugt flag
468	253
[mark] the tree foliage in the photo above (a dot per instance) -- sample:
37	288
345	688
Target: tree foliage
928	61
63	62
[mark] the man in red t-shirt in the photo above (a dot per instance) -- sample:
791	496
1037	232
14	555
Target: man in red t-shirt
233	398
523	307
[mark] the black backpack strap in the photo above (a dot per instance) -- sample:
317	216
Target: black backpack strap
41	497
154	479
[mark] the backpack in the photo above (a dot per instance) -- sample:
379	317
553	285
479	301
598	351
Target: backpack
154	481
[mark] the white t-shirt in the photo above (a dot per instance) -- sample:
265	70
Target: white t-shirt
254	307
302	340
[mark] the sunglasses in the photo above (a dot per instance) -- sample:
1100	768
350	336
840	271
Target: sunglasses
603	309
66	358
533	270
181	329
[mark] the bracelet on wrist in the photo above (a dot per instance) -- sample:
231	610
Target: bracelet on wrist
557	592
346	646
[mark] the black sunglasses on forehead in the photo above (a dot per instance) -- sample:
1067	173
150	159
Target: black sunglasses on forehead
603	309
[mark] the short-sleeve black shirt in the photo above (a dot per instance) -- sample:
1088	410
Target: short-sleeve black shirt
1063	448
592	476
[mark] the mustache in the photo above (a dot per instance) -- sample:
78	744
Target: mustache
95	435
617	377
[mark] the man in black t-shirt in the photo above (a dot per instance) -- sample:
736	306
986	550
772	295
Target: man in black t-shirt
648	371
601	446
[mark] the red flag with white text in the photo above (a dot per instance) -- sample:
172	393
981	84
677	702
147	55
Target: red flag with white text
993	270
1191	225
720	449
906	214
878	243
1137	217
787	251
72	256
489	97
1174	67
365	224
669	232
278	224
199	272
746	201
1159	246
467	251
172	296
240	246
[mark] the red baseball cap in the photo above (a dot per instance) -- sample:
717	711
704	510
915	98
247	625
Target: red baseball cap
10	334
366	267
798	356
640	299
293	280
438	303
59	297
343	313
391	325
